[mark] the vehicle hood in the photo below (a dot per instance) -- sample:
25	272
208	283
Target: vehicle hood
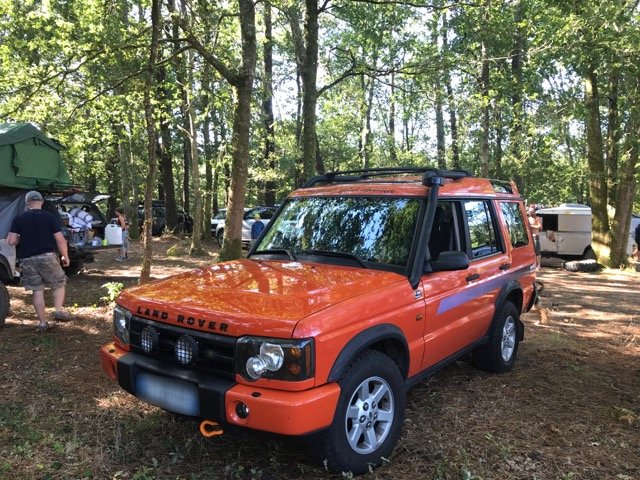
249	297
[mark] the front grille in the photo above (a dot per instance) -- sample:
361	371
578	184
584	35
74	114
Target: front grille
215	352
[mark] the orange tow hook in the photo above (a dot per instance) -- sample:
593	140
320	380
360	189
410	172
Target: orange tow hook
209	428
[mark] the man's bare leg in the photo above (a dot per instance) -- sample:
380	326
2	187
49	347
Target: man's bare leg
39	305
58	302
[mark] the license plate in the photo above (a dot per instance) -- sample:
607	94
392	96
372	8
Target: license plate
168	393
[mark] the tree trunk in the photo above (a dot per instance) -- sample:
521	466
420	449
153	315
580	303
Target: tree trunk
453	121
393	154
196	237
517	60
243	85
365	129
267	107
207	197
484	98
232	245
166	157
309	90
626	191
497	154
597	172
613	137
439	105
145	270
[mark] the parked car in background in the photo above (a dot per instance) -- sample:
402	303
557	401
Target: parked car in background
185	222
217	218
266	214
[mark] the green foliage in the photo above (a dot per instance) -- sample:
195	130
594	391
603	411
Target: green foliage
77	70
113	290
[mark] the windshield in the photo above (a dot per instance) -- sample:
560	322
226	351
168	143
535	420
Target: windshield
373	229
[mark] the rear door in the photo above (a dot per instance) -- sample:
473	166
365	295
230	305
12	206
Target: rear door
460	304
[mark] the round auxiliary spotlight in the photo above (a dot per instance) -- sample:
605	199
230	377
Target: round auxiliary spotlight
149	339
186	349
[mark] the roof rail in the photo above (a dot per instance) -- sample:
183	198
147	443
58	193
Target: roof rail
348	176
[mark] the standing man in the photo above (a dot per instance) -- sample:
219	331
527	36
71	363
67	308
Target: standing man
256	228
536	226
39	232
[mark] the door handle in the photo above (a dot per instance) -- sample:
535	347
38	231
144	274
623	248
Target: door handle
505	266
473	277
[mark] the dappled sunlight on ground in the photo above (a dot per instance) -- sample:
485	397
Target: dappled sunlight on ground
568	409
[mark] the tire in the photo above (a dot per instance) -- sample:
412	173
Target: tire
4	304
585	266
368	418
220	237
499	354
589	254
74	267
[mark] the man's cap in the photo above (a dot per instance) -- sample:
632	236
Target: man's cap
33	196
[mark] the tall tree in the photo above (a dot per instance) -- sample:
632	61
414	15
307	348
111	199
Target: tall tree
145	270
241	80
267	109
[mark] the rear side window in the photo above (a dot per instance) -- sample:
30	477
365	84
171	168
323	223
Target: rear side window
515	224
482	231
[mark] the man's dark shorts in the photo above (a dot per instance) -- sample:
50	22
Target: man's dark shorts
536	244
42	271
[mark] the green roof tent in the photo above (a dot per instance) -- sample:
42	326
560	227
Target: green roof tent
29	159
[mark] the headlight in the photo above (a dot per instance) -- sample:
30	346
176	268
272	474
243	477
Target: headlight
121	319
274	358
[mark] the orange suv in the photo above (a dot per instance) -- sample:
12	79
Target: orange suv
363	284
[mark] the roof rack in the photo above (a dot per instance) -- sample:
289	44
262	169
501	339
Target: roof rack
348	176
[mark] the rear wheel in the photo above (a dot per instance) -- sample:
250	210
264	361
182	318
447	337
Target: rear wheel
368	417
499	353
4	303
220	237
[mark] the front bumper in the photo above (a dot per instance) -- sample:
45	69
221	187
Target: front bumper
207	397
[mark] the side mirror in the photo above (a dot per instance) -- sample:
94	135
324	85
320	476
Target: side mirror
452	260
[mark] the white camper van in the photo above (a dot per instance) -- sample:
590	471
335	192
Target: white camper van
566	231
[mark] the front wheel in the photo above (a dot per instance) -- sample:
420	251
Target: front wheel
4	303
220	237
499	353
368	417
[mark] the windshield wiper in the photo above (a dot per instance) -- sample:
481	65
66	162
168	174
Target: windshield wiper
329	253
276	251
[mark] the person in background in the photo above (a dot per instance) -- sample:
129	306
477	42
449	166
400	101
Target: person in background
536	226
124	224
38	233
256	228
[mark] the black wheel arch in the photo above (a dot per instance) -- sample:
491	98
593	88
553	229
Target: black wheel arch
6	273
511	292
385	338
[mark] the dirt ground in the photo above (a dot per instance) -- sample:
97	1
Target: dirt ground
570	409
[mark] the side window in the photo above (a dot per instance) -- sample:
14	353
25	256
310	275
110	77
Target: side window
515	223
444	234
482	232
